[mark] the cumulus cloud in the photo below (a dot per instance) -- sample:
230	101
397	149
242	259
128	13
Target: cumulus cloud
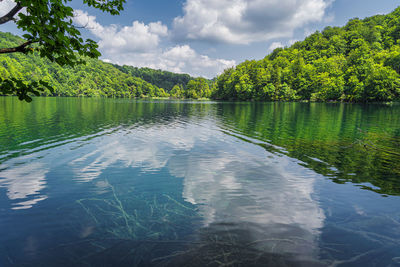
245	21
6	6
139	45
179	59
292	41
138	37
275	45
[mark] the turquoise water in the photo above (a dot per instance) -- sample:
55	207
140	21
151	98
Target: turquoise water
105	182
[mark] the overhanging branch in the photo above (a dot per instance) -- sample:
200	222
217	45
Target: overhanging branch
22	48
10	15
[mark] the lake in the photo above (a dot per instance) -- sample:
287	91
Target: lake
117	182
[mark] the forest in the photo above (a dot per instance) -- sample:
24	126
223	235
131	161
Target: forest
160	78
359	62
97	78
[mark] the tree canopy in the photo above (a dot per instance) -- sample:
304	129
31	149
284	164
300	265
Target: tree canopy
359	62
50	32
160	78
94	78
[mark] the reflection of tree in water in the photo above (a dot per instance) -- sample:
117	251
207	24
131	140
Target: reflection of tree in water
124	226
383	151
327	138
396	133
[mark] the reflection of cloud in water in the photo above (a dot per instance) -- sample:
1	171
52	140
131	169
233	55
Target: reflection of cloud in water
25	177
149	149
236	185
242	186
24	181
231	181
246	187
227	179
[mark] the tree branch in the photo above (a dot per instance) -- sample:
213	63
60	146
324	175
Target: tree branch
22	48
10	15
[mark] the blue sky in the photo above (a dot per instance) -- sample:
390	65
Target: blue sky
203	37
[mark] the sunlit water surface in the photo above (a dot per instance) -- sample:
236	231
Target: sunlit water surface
97	182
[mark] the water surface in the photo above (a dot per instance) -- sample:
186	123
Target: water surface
105	182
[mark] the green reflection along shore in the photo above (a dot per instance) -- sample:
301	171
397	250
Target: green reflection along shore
345	142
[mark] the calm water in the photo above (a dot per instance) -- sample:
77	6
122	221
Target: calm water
96	182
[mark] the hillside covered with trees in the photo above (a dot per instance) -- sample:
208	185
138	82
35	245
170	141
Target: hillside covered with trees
160	78
359	62
96	78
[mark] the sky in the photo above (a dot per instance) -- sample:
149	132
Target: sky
204	37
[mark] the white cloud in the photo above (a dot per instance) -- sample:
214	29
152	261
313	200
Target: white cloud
6	6
330	18
139	45
245	21
275	45
138	37
309	31
179	59
292	42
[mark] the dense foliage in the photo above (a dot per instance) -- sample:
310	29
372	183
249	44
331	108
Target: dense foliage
160	78
95	78
49	30
359	62
175	84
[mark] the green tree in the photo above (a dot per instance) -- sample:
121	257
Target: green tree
95	78
359	62
160	78
177	91
50	32
197	88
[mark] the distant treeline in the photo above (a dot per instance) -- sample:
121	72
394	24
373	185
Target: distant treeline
359	62
160	78
97	78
